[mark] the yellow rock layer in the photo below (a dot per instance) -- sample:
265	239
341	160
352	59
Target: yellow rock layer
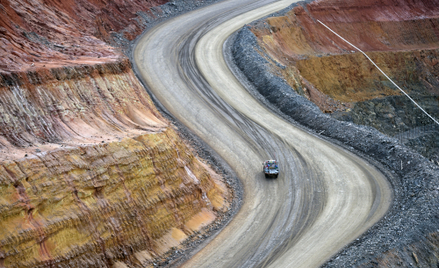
91	175
105	202
352	78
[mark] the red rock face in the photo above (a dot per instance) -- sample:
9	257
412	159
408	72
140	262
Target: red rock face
375	25
372	10
39	33
370	25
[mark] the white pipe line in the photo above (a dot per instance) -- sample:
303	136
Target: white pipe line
432	118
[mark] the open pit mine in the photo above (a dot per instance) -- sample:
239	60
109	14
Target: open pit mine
93	174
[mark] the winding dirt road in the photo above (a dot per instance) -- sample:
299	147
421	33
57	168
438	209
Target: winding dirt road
325	196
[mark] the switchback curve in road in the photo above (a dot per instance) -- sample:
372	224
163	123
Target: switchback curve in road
325	196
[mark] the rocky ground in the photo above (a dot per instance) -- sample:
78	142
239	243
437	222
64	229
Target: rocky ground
407	235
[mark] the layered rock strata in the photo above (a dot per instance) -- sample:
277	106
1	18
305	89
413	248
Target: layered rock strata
91	175
89	103
407	235
401	37
37	33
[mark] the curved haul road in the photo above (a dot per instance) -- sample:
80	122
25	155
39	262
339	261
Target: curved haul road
325	196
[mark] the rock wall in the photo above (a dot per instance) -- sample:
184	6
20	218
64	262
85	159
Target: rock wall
400	36
93	205
372	99
407	234
416	71
37	33
87	103
91	175
385	25
63	33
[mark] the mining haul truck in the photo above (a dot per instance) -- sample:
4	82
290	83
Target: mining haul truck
271	169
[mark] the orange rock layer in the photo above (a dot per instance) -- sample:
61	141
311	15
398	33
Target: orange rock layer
416	71
401	36
91	175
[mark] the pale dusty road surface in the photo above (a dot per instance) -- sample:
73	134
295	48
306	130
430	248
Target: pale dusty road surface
325	196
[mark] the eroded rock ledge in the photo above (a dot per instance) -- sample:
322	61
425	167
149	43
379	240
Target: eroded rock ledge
88	103
408	233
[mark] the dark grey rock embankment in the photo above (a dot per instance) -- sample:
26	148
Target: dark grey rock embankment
406	229
398	117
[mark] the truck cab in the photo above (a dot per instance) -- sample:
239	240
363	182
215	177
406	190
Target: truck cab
271	169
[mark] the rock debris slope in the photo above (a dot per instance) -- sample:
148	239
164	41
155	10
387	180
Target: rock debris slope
91	174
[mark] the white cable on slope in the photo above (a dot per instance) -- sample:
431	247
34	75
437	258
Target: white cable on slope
432	118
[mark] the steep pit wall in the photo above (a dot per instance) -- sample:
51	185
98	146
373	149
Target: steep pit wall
91	175
374	101
407	235
370	25
401	37
85	104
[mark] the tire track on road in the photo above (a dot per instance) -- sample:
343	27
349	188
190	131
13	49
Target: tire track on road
296	220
